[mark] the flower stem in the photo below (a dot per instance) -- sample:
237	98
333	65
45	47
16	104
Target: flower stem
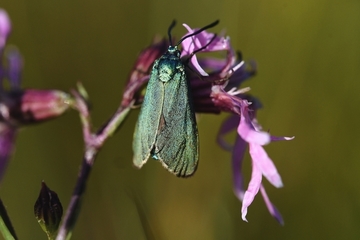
93	144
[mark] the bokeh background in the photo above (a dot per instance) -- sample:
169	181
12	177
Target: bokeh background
308	59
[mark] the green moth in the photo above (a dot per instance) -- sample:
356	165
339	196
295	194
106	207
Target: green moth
166	128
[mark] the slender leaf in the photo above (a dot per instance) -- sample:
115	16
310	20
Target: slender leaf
6	227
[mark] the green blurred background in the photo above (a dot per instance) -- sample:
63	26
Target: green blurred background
308	59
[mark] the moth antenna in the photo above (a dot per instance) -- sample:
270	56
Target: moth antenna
199	31
169	30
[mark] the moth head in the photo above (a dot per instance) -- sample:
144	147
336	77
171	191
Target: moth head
173	50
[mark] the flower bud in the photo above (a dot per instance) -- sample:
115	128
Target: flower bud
141	69
48	210
31	105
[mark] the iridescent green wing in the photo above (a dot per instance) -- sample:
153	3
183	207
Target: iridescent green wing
176	144
148	120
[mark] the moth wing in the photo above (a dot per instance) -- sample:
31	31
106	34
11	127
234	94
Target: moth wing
177	141
148	120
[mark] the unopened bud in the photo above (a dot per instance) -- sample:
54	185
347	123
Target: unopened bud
142	68
48	210
31	105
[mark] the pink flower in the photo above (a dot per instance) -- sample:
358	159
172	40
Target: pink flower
216	91
249	135
194	43
225	75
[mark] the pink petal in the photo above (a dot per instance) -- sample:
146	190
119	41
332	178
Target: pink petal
190	45
218	43
252	190
194	43
250	135
271	207
265	164
197	66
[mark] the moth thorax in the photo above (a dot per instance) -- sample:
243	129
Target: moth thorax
167	70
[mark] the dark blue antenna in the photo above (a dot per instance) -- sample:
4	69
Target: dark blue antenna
169	31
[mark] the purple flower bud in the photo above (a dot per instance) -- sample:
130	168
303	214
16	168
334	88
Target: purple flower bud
141	70
32	106
48	210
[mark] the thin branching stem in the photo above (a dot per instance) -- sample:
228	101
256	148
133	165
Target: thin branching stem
93	144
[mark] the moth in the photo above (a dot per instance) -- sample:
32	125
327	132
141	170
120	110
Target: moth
166	129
